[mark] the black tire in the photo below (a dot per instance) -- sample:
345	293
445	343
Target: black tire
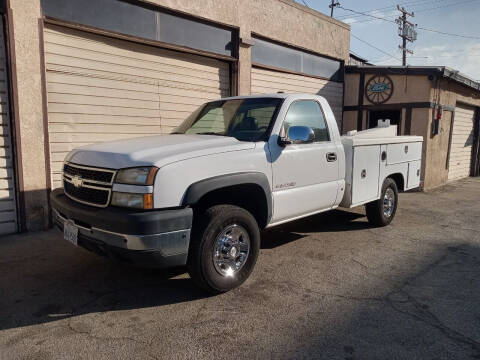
210	224
375	209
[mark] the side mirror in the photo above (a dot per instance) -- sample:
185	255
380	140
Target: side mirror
298	135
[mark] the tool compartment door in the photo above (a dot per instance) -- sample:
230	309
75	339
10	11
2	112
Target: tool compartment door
365	176
413	174
403	152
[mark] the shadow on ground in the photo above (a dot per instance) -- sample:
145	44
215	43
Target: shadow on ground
331	221
46	279
431	313
408	306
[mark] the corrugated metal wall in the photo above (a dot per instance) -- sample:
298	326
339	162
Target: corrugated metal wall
462	140
8	212
102	89
269	81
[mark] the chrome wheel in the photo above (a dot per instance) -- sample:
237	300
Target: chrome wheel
388	202
231	250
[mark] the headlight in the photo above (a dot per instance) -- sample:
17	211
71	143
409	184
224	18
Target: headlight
137	176
131	200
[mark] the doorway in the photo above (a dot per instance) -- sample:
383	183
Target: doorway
393	115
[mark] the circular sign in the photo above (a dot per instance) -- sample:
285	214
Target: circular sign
379	89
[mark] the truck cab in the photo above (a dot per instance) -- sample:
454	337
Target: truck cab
200	196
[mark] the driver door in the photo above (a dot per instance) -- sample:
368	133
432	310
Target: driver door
305	176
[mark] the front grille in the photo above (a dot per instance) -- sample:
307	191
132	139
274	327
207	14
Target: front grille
100	175
87	194
91	186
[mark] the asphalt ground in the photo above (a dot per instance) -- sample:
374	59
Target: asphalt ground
327	287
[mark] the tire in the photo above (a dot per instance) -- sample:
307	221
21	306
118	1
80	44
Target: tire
382	211
213	264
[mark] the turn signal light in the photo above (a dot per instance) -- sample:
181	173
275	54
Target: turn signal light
147	201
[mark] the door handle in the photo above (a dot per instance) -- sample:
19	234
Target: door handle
331	157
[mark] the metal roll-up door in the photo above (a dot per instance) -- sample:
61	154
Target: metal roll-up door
8	211
269	81
460	157
100	89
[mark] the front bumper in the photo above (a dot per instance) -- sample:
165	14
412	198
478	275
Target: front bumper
154	238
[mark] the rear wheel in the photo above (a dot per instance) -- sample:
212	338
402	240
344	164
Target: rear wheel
224	248
382	211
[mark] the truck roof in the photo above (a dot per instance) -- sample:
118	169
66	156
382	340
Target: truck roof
280	95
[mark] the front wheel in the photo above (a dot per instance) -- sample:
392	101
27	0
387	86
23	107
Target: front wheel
382	211
224	248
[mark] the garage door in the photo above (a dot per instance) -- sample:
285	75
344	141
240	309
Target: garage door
102	89
462	141
268	81
8	215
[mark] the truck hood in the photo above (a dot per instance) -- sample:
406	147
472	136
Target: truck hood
157	150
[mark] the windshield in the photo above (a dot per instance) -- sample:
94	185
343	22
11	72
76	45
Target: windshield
244	119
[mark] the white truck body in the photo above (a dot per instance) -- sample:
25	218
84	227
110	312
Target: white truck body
295	178
364	176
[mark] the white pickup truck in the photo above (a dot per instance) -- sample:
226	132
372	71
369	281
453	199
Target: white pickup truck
200	196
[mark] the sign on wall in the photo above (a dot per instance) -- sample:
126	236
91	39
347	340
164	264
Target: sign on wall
379	89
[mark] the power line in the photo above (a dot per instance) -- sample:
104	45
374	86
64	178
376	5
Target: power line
360	14
376	48
419	27
412	3
305	3
365	14
444	6
449	34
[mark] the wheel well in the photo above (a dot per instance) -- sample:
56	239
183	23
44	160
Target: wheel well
399	180
251	197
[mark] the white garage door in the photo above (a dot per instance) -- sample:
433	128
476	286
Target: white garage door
269	81
462	141
8	215
102	89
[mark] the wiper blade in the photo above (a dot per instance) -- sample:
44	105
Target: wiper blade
210	133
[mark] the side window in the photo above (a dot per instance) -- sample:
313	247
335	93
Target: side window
307	113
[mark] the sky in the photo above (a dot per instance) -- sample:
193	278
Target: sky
451	16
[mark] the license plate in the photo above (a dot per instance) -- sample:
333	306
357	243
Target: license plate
70	232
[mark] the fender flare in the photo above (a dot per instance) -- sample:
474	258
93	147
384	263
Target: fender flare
197	190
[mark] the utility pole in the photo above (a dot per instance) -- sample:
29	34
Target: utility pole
332	6
406	30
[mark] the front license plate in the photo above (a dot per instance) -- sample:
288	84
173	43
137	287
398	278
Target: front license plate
70	233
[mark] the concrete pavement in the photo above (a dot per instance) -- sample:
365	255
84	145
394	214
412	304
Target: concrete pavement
327	287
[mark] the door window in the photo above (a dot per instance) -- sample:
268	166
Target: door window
307	113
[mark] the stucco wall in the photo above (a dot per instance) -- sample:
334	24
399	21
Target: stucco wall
436	172
411	88
25	19
449	93
452	92
407	88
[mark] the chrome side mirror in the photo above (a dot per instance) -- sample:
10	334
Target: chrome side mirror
299	135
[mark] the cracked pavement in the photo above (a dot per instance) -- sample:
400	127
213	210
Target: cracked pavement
327	287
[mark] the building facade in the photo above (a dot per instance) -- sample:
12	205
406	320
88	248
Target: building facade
437	103
75	72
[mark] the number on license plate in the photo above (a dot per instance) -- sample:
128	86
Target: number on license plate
70	232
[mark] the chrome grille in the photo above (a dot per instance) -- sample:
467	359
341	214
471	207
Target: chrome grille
88	185
87	173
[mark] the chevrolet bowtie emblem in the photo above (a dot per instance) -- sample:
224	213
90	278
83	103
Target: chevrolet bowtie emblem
77	181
